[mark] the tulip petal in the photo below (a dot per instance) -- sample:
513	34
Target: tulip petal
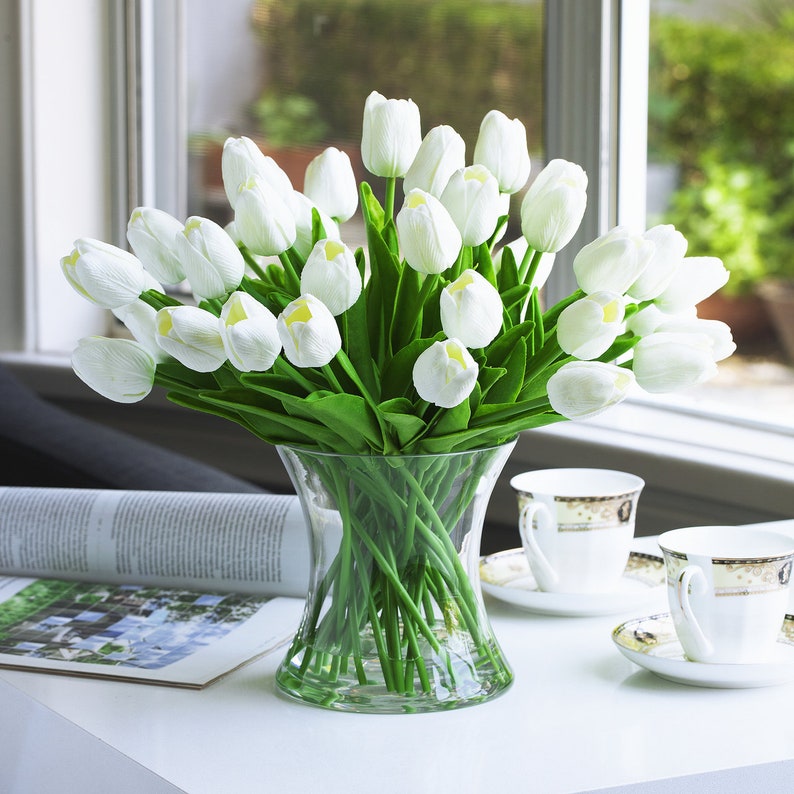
119	369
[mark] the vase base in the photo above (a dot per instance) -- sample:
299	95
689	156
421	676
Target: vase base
362	688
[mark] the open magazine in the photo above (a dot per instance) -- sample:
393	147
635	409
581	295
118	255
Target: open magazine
157	587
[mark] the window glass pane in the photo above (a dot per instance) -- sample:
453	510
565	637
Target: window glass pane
294	76
721	168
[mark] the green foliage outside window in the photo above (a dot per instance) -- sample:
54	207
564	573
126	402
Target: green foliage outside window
456	59
722	107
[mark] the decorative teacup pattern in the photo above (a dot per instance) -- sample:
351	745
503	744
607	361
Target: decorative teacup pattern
577	514
738	577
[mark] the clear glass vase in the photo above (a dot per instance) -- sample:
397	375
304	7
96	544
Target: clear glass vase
394	620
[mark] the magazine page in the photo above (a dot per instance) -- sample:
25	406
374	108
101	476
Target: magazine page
169	636
242	543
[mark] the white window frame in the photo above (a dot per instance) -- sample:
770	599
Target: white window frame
77	177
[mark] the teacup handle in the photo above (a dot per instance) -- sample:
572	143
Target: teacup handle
693	579
540	566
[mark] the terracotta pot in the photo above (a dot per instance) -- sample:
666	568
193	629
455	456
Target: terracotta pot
778	298
747	316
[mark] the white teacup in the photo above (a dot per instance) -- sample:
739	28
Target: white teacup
728	591
577	526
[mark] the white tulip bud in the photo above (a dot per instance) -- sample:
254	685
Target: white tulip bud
669	249
301	208
106	275
213	264
263	219
331	184
442	152
554	206
696	279
241	160
471	310
120	369
445	374
429	239
583	389
647	320
249	332
718	332
502	148
613	262
667	361
588	327
191	336
140	318
308	332
152	234
472	199
391	135
331	274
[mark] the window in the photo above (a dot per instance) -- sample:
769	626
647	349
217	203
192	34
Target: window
79	92
721	168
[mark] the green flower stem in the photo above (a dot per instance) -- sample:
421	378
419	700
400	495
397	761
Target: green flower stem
529	265
293	281
157	300
388	205
389	446
252	264
283	367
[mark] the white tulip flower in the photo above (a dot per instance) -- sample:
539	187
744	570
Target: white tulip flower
330	184
669	249
263	219
120	369
722	344
241	160
669	361
191	335
583	389
696	279
391	135
442	152
249	333
472	199
139	319
309	332
554	206
445	374
301	208
106	275
588	327
428	236
647	320
213	263
152	235
502	148
613	262
331	274
471	310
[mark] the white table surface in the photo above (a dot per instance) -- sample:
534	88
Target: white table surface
579	717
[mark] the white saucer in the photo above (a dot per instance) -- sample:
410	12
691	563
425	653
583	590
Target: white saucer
506	576
651	642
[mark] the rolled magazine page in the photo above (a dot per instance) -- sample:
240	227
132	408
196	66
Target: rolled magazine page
243	543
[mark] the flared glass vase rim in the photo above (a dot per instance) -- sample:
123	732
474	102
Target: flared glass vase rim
402	455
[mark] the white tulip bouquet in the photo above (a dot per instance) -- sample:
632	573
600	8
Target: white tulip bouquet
432	341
